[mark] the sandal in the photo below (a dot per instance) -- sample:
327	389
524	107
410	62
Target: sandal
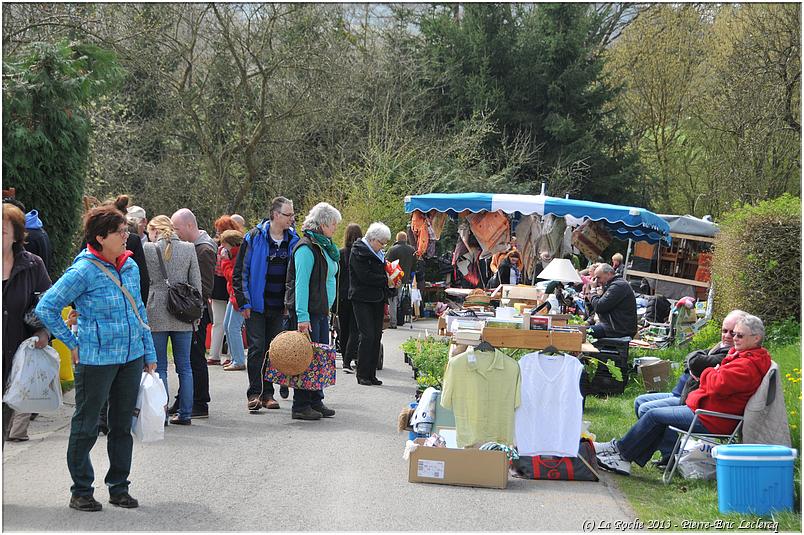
270	403
226	362
254	404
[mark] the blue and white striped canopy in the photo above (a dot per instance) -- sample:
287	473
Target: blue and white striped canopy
624	222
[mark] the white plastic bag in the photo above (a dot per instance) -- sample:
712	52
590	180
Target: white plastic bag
33	384
148	421
696	461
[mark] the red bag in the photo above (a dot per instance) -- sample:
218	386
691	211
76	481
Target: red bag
580	468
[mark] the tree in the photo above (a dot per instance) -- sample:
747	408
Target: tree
46	131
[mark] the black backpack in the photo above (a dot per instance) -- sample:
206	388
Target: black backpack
184	301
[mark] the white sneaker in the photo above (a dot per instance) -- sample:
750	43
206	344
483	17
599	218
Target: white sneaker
614	463
606	447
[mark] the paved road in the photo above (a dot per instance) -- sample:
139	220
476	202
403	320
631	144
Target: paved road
265	472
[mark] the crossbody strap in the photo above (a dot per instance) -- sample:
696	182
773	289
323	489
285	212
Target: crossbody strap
162	266
125	292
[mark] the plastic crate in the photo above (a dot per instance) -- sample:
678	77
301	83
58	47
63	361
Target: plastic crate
603	383
754	478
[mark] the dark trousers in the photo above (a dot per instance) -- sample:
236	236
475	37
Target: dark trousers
369	324
261	329
348	334
118	384
198	363
319	333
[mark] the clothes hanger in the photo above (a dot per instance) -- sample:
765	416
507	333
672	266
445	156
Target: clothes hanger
551	350
484	346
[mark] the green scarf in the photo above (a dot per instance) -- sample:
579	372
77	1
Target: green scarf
325	243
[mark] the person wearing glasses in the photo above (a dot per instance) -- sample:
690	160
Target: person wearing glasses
112	349
694	364
725	388
258	282
369	291
181	265
614	302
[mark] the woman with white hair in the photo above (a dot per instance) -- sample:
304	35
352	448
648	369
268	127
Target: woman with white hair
310	292
368	290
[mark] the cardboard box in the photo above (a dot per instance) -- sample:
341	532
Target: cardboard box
463	467
656	376
522	293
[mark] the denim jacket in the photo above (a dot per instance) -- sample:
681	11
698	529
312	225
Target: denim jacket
108	330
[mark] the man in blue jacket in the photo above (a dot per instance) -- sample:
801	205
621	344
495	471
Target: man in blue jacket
259	286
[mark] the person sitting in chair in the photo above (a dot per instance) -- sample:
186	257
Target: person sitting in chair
725	388
614	302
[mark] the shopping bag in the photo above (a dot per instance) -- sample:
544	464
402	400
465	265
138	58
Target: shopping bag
319	375
33	383
580	468
148	420
696	461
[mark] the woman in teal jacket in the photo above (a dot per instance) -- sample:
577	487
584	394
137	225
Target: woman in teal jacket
112	349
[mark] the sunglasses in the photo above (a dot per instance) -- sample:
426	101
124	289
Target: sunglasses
740	336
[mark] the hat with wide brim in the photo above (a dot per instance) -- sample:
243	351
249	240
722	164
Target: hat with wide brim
291	353
562	270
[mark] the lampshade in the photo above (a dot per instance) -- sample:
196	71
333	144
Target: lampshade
560	269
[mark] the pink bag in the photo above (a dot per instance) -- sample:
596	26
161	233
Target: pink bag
318	376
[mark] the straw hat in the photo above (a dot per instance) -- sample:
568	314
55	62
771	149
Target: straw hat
291	353
477	297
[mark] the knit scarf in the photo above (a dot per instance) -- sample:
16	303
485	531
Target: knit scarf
325	243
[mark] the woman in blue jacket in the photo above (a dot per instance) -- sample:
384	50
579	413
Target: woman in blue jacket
112	349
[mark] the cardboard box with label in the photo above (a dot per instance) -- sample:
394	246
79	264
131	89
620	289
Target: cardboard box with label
454	466
656	376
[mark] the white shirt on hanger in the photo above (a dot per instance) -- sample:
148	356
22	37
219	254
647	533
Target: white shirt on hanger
549	420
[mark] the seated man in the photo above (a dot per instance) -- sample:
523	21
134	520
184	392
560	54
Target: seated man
725	388
694	364
614	302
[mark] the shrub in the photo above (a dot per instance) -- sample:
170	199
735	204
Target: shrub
757	261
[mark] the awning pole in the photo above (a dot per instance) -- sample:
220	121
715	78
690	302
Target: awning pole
627	256
542	188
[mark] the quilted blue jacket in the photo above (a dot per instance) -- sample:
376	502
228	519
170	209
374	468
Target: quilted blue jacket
108	330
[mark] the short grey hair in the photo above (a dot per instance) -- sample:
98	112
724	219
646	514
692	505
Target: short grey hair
378	231
735	314
754	325
320	215
605	268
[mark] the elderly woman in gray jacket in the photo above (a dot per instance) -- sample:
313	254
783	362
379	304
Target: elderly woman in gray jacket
181	264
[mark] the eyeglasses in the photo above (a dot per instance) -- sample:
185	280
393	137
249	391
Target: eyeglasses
740	336
727	331
287	215
124	232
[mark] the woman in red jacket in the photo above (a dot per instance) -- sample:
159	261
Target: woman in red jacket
233	320
724	388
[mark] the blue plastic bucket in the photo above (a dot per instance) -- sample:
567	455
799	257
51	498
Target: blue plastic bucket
754	478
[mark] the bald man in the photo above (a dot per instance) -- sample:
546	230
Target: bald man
186	226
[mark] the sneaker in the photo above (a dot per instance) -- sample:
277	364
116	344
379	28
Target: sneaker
614	463
325	411
123	500
85	503
606	447
306	413
284	392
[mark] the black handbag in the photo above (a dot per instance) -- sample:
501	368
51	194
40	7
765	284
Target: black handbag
184	301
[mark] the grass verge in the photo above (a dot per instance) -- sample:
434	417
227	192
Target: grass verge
684	501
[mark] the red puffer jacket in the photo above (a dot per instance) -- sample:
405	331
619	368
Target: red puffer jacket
728	388
227	267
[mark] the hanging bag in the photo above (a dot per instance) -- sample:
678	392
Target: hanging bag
184	301
148	421
33	383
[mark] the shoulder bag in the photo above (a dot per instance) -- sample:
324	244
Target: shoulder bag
184	301
106	272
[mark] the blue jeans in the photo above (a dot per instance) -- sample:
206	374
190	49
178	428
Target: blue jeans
232	326
180	341
319	333
650	433
646	402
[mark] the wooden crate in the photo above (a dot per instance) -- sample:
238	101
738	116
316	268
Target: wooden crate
520	338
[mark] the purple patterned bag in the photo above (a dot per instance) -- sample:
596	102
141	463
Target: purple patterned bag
318	376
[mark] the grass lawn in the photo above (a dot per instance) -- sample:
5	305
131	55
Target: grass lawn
691	500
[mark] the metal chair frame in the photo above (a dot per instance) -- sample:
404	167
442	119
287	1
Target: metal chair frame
686	434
